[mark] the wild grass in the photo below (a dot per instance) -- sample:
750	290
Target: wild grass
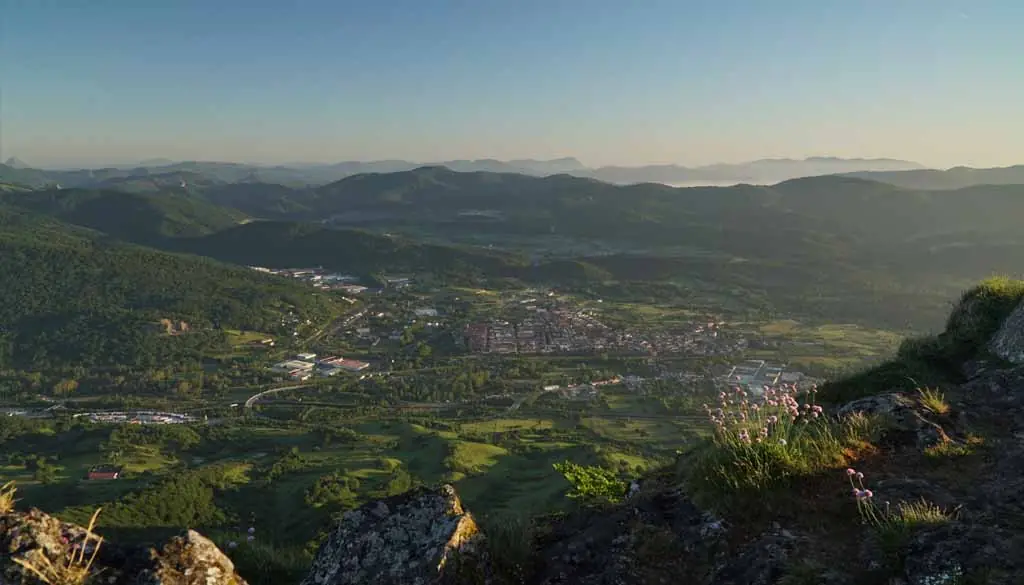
75	569
894	525
7	492
951	449
933	401
760	444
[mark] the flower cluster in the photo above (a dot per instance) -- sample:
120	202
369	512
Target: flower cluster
869	511
759	417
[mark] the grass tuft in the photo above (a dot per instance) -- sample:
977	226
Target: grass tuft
75	569
951	449
920	513
7	492
933	401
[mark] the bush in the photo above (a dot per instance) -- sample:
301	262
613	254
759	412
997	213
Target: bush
592	485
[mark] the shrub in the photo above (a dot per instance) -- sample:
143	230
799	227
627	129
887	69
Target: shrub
592	484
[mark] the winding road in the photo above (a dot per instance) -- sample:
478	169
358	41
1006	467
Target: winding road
256	397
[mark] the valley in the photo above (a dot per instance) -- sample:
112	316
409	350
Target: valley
237	356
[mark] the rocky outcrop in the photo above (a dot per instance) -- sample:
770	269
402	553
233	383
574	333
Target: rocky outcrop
1008	342
903	418
39	539
418	538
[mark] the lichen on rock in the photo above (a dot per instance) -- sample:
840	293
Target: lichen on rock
408	539
1008	342
189	559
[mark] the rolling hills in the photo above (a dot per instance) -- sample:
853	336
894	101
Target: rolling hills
955	178
835	247
73	296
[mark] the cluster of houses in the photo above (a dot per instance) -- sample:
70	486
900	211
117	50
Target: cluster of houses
305	365
547	330
562	330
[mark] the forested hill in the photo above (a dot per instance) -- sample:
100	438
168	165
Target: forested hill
68	295
144	218
283	244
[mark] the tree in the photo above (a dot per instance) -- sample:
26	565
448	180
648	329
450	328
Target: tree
65	387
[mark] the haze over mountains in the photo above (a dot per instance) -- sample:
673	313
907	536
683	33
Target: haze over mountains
164	172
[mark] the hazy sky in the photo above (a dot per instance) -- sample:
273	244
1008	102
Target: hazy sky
607	81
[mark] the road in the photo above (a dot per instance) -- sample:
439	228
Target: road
256	397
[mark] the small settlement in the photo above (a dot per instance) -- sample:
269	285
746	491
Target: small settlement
305	365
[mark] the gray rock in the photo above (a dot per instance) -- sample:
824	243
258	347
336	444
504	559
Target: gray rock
408	539
949	553
189	559
902	416
1008	342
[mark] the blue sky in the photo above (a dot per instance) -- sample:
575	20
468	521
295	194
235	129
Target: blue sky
607	81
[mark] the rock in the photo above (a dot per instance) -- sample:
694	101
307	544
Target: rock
956	553
189	559
192	559
410	539
654	537
762	562
1008	342
904	418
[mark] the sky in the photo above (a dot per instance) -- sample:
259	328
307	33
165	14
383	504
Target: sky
607	81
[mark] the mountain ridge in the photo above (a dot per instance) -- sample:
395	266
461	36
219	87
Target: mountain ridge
313	174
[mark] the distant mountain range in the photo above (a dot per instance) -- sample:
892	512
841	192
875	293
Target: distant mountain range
155	174
837	246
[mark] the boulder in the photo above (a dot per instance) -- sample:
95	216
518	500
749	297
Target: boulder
188	559
409	539
1008	342
191	559
903	417
652	538
961	553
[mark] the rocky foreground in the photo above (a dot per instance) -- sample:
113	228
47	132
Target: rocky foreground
963	457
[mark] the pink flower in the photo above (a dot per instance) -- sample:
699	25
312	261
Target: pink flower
860	475
851	471
868	494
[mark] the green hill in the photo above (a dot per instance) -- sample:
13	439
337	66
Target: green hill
131	216
284	244
68	295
